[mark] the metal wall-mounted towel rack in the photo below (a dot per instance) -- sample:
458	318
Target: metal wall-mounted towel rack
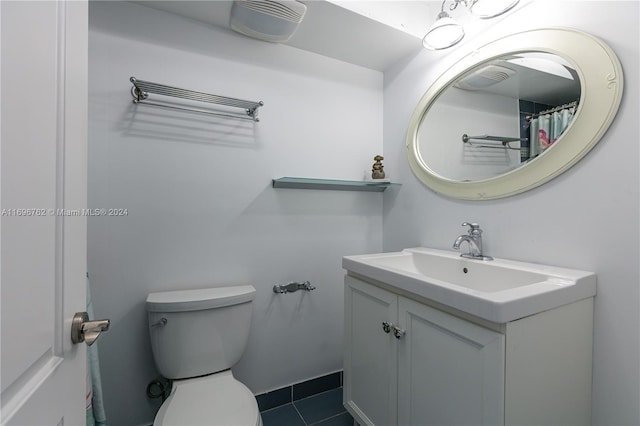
141	90
504	141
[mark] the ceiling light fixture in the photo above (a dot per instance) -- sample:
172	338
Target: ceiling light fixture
446	32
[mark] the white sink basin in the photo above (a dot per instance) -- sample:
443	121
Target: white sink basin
498	290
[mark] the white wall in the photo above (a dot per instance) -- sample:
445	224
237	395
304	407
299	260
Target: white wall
201	210
588	218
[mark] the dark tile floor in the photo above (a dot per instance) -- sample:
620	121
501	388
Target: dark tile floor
323	409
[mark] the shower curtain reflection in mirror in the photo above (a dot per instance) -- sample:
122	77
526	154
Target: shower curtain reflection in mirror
547	126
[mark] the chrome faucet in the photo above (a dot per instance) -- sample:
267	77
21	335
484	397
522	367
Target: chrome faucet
474	239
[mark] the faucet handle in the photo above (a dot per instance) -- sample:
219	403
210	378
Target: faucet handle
474	228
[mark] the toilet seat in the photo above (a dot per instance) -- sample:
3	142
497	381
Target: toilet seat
214	400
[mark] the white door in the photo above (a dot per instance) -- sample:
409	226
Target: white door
43	170
450	371
370	369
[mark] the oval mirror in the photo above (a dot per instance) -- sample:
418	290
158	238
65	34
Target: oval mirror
514	114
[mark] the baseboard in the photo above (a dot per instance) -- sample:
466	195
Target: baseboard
305	389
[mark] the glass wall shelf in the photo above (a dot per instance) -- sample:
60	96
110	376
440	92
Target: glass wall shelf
332	184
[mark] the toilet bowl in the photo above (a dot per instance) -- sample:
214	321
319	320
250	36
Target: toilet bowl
196	337
215	400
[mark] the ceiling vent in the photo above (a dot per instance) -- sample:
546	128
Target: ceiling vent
268	20
484	77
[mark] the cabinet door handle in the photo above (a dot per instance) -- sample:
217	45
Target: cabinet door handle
386	326
398	332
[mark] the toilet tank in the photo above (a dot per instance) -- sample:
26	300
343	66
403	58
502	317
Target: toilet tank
198	332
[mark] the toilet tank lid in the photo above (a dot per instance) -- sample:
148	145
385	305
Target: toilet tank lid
199	299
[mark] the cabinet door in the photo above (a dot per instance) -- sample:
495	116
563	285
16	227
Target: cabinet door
370	364
451	372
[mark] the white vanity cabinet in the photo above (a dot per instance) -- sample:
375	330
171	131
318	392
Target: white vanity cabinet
435	368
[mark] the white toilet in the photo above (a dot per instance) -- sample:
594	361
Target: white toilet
196	337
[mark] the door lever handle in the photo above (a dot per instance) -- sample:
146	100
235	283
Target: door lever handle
83	330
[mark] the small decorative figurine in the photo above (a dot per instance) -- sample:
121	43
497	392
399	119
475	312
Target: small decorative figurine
377	172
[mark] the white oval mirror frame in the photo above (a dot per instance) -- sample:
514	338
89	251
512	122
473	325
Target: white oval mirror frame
601	81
